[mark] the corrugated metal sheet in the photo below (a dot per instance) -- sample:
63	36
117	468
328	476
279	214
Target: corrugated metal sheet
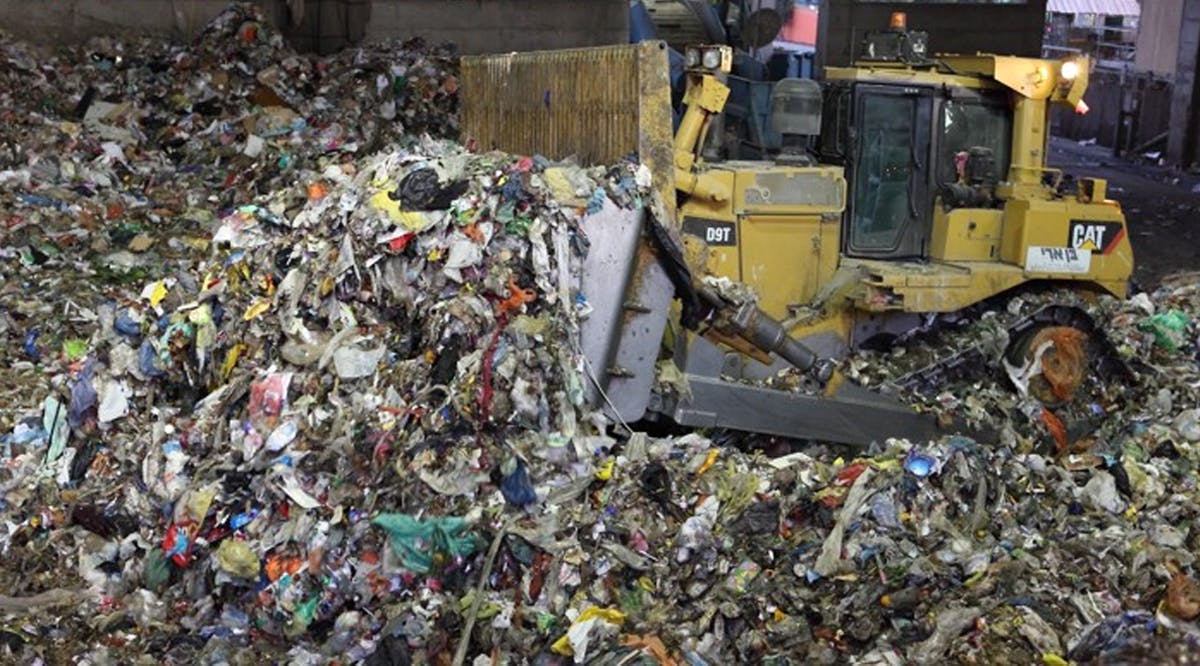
1105	7
597	105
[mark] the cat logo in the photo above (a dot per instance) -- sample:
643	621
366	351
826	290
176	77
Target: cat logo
1099	237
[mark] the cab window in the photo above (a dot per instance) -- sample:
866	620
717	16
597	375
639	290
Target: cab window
969	123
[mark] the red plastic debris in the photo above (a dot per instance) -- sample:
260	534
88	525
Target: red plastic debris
849	473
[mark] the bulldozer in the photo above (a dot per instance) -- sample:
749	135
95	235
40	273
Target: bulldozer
909	186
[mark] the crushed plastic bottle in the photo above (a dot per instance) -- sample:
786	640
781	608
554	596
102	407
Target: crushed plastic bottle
283	435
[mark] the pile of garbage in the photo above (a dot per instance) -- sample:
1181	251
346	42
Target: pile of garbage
356	367
122	155
319	398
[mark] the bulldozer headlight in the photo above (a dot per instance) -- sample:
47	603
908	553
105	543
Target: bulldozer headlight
1069	70
709	58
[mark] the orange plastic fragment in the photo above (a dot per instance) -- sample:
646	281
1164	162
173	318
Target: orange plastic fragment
652	644
472	231
1056	428
317	191
277	566
517	297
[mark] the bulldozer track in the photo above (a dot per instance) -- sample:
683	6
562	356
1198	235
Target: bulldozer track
972	363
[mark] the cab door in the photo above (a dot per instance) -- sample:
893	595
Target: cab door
889	213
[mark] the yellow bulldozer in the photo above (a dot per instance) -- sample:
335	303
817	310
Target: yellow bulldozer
906	186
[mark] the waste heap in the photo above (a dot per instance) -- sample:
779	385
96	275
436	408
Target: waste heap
332	412
121	155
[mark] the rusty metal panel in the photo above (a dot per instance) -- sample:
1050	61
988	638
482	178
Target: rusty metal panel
596	104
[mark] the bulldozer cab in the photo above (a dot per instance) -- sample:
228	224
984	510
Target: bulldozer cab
900	132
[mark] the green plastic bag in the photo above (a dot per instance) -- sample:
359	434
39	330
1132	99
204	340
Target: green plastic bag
419	542
157	570
1169	328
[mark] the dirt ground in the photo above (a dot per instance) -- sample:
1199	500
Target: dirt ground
1160	205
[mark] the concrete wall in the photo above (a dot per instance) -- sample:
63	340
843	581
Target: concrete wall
326	26
476	26
500	26
1007	29
50	21
1183	140
1158	36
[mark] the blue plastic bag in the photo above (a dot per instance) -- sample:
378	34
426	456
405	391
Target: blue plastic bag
126	325
147	360
83	398
517	488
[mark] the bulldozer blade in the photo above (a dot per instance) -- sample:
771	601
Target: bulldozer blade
852	415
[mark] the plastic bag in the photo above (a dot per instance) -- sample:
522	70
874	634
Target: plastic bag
1169	329
267	400
237	559
422	190
83	398
516	485
423	544
352	363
